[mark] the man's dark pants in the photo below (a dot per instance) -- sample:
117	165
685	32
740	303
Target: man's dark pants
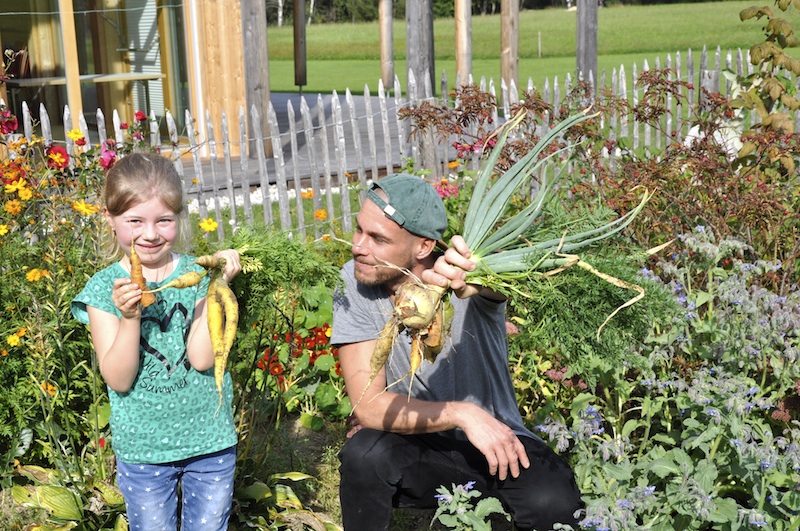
381	470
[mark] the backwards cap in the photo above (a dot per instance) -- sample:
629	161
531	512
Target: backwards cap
412	203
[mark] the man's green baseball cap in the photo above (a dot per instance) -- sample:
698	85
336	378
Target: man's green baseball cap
412	203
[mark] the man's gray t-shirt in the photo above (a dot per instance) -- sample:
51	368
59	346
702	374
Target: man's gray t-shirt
472	367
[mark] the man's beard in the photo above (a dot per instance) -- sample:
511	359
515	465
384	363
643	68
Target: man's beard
382	275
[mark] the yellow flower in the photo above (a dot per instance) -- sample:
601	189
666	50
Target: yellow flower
25	194
16	186
3	230
13	340
209	225
307	194
75	135
35	275
195	181
321	214
49	388
82	207
13	207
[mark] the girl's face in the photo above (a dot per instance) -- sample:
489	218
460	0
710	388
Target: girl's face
152	225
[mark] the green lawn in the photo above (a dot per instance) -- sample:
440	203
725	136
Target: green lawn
344	56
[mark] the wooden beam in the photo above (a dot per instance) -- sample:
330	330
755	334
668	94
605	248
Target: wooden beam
509	32
586	41
386	25
463	16
3	93
71	63
299	26
256	70
419	44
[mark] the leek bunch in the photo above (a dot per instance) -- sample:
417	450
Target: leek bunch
504	256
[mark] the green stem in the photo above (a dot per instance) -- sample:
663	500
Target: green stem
714	447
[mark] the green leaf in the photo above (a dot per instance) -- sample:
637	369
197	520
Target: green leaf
580	402
60	502
325	362
310	421
256	491
110	494
292	476
285	497
664	467
326	396
121	524
630	426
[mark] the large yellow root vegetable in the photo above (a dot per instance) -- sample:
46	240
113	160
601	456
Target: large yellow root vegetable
223	318
419	309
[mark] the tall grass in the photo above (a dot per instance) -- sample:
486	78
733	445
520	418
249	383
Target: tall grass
344	56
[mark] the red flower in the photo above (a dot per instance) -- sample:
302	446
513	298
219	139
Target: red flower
57	157
123	125
140	116
101	442
80	142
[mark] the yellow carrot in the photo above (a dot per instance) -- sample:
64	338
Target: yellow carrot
223	318
186	280
210	262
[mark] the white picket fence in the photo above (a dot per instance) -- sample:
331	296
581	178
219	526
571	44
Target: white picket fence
323	153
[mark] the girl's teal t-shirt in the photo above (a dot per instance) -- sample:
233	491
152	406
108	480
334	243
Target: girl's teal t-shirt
172	412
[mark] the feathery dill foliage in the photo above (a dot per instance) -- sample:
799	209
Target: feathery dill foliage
565	310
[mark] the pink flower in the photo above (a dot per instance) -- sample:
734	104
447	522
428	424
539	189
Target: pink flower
140	116
8	122
511	328
446	189
107	157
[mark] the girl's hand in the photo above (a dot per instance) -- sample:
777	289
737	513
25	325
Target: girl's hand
233	265
126	296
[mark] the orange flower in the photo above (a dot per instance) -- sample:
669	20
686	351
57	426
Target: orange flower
307	194
13	207
321	214
49	388
453	164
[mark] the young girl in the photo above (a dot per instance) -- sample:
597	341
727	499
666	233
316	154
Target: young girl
169	434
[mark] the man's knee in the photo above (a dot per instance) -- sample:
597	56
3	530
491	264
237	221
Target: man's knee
368	451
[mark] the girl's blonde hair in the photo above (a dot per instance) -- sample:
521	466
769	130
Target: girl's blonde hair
137	178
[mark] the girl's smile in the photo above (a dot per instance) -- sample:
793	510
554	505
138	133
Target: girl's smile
153	228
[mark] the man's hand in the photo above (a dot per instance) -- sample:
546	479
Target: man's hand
503	450
450	269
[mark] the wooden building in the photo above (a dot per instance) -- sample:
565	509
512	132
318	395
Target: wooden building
126	55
